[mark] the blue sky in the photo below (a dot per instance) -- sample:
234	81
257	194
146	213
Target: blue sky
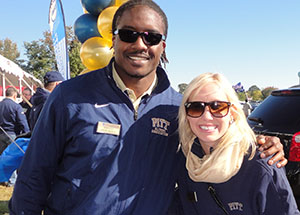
249	41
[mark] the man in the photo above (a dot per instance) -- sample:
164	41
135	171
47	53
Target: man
108	143
12	119
247	108
51	80
26	107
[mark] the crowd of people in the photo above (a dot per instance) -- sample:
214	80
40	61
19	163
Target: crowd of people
13	121
108	142
18	119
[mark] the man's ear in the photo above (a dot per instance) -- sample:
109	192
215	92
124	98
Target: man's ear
113	41
57	82
15	96
164	44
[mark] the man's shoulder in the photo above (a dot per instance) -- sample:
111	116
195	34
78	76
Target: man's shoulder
92	77
9	102
173	95
83	87
164	87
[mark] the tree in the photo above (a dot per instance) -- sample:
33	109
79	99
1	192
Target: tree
267	91
73	46
241	96
41	57
76	65
9	50
182	87
256	95
253	87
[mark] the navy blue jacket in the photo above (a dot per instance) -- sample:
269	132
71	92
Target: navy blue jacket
37	100
12	117
26	109
256	189
92	154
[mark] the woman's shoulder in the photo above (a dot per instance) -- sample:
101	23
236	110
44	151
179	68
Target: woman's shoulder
260	165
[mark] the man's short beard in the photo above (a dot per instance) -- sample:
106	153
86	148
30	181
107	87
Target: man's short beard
134	75
137	76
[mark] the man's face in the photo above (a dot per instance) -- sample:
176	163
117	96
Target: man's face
137	60
26	94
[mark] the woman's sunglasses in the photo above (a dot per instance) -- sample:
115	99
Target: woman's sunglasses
218	109
130	36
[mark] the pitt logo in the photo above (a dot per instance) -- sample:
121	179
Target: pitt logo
235	206
160	126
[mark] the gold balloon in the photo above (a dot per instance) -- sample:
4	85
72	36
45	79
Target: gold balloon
104	22
86	70
120	2
96	52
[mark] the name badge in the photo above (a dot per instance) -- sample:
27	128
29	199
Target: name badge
108	128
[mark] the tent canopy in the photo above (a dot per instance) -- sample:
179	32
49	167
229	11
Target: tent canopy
12	75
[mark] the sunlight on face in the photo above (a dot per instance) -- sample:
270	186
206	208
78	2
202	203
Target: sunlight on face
208	128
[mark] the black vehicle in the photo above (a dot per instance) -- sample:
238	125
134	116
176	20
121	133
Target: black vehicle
254	104
279	115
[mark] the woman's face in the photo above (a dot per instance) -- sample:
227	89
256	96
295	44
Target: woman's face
208	128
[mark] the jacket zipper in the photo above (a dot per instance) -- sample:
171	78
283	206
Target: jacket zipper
135	115
214	195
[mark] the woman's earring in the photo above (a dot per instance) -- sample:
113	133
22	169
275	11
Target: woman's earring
231	121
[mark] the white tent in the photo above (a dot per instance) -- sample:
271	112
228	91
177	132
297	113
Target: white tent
12	75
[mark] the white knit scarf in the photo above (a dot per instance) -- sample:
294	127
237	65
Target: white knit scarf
218	167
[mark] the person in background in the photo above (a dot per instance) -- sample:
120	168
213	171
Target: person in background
12	119
51	80
27	94
224	173
247	108
107	142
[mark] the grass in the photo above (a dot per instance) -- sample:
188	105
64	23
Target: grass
5	194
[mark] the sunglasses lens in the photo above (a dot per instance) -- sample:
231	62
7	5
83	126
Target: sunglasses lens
195	109
130	36
219	109
127	36
151	38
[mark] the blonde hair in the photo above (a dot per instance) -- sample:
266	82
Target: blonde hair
241	129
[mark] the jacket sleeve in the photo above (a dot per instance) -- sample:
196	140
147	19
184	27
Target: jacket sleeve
41	159
21	120
34	114
275	195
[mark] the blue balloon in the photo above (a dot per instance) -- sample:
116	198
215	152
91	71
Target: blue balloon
85	27
95	7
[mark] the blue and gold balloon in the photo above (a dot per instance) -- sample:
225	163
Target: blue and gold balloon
94	7
85	27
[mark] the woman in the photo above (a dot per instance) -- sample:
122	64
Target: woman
224	173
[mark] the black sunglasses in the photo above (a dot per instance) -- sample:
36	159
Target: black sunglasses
196	109
130	36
